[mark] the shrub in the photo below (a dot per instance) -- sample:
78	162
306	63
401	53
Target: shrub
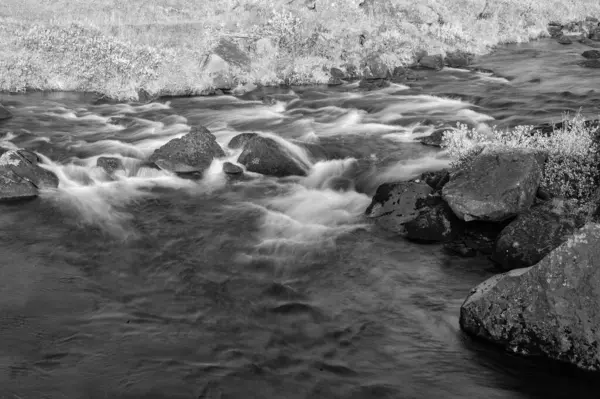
571	170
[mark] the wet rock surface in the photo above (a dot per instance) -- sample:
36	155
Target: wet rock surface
549	310
193	152
499	184
266	156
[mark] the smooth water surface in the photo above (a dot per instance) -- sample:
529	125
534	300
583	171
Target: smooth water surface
149	285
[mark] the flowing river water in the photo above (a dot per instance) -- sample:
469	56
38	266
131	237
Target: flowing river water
150	285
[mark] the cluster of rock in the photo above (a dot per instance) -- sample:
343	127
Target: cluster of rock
546	303
586	32
484	209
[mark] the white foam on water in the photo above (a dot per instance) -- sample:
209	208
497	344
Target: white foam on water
297	153
305	219
473	116
490	78
408	134
408	169
322	172
97	199
7	143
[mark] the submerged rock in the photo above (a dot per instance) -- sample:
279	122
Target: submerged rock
498	185
550	309
193	152
591	54
565	40
4	113
109	164
240	140
595	63
21	177
265	156
232	169
532	236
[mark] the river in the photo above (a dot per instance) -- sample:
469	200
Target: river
155	286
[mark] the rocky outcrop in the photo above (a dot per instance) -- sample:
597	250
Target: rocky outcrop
550	309
266	156
498	185
21	177
4	113
240	140
109	164
191	153
532	236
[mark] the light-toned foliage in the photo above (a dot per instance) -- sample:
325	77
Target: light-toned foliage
117	47
572	167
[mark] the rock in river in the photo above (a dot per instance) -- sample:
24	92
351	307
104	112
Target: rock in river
532	236
266	156
498	185
395	204
21	177
193	152
4	113
550	309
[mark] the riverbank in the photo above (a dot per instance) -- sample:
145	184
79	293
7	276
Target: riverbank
166	48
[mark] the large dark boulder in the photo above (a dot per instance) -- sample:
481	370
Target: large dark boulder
532	236
21	177
549	310
4	113
395	204
266	156
499	184
193	152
